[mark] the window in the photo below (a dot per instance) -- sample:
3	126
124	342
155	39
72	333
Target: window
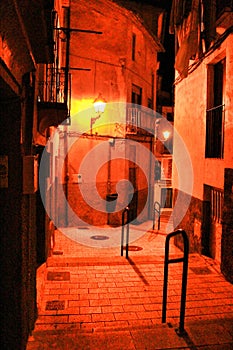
170	117
136	94
150	103
166	197
215	111
133	46
133	116
157	170
216	202
166	169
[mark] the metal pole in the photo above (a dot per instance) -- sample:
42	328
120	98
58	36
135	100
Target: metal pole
164	310
168	261
66	87
122	233
125	212
184	284
127	236
158	212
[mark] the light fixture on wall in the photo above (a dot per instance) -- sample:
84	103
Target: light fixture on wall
99	106
166	135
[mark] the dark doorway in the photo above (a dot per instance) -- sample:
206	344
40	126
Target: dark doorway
212	219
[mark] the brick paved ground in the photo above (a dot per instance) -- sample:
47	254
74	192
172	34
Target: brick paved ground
103	301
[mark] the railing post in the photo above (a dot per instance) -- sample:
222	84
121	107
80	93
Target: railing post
156	209
168	261
165	280
184	282
125	213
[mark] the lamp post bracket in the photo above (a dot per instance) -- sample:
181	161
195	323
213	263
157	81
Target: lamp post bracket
77	68
77	30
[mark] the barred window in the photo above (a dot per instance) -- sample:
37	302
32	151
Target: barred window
133	46
215	110
216	204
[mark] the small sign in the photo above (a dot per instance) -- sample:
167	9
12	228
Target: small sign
3	171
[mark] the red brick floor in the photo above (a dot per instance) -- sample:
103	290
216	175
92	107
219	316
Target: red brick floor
109	302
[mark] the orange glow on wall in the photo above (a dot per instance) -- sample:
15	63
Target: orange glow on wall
109	173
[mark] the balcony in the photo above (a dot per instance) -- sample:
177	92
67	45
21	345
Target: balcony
140	121
53	99
224	15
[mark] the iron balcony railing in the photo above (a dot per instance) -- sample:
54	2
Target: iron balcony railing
52	88
140	119
215	132
216	196
133	120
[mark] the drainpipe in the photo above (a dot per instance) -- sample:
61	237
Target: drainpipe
66	88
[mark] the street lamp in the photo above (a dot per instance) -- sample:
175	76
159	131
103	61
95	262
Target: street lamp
166	135
99	106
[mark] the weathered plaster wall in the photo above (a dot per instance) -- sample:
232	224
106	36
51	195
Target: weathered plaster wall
109	55
100	175
227	227
112	73
190	113
190	106
190	123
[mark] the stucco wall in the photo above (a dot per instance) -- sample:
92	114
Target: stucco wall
190	124
190	106
227	234
109	55
112	72
190	114
101	167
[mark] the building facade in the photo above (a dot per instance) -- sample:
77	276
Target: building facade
204	119
39	50
27	45
114	54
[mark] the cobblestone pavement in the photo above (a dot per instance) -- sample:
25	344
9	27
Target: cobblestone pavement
92	298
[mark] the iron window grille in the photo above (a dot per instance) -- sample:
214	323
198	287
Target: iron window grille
216	201
215	132
133	120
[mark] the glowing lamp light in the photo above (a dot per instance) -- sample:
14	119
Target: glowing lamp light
99	104
166	135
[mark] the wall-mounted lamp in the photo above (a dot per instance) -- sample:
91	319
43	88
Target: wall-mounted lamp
99	106
166	135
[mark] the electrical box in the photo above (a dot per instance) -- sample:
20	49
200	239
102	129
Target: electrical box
30	174
77	178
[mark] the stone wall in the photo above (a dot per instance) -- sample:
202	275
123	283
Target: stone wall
227	229
191	223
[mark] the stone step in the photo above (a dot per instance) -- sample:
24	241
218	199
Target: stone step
91	327
117	338
211	335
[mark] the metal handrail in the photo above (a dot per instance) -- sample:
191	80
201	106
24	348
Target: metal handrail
168	261
158	211
125	214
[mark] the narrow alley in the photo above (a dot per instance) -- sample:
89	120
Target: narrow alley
100	300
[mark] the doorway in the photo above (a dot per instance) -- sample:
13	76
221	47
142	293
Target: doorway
212	222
